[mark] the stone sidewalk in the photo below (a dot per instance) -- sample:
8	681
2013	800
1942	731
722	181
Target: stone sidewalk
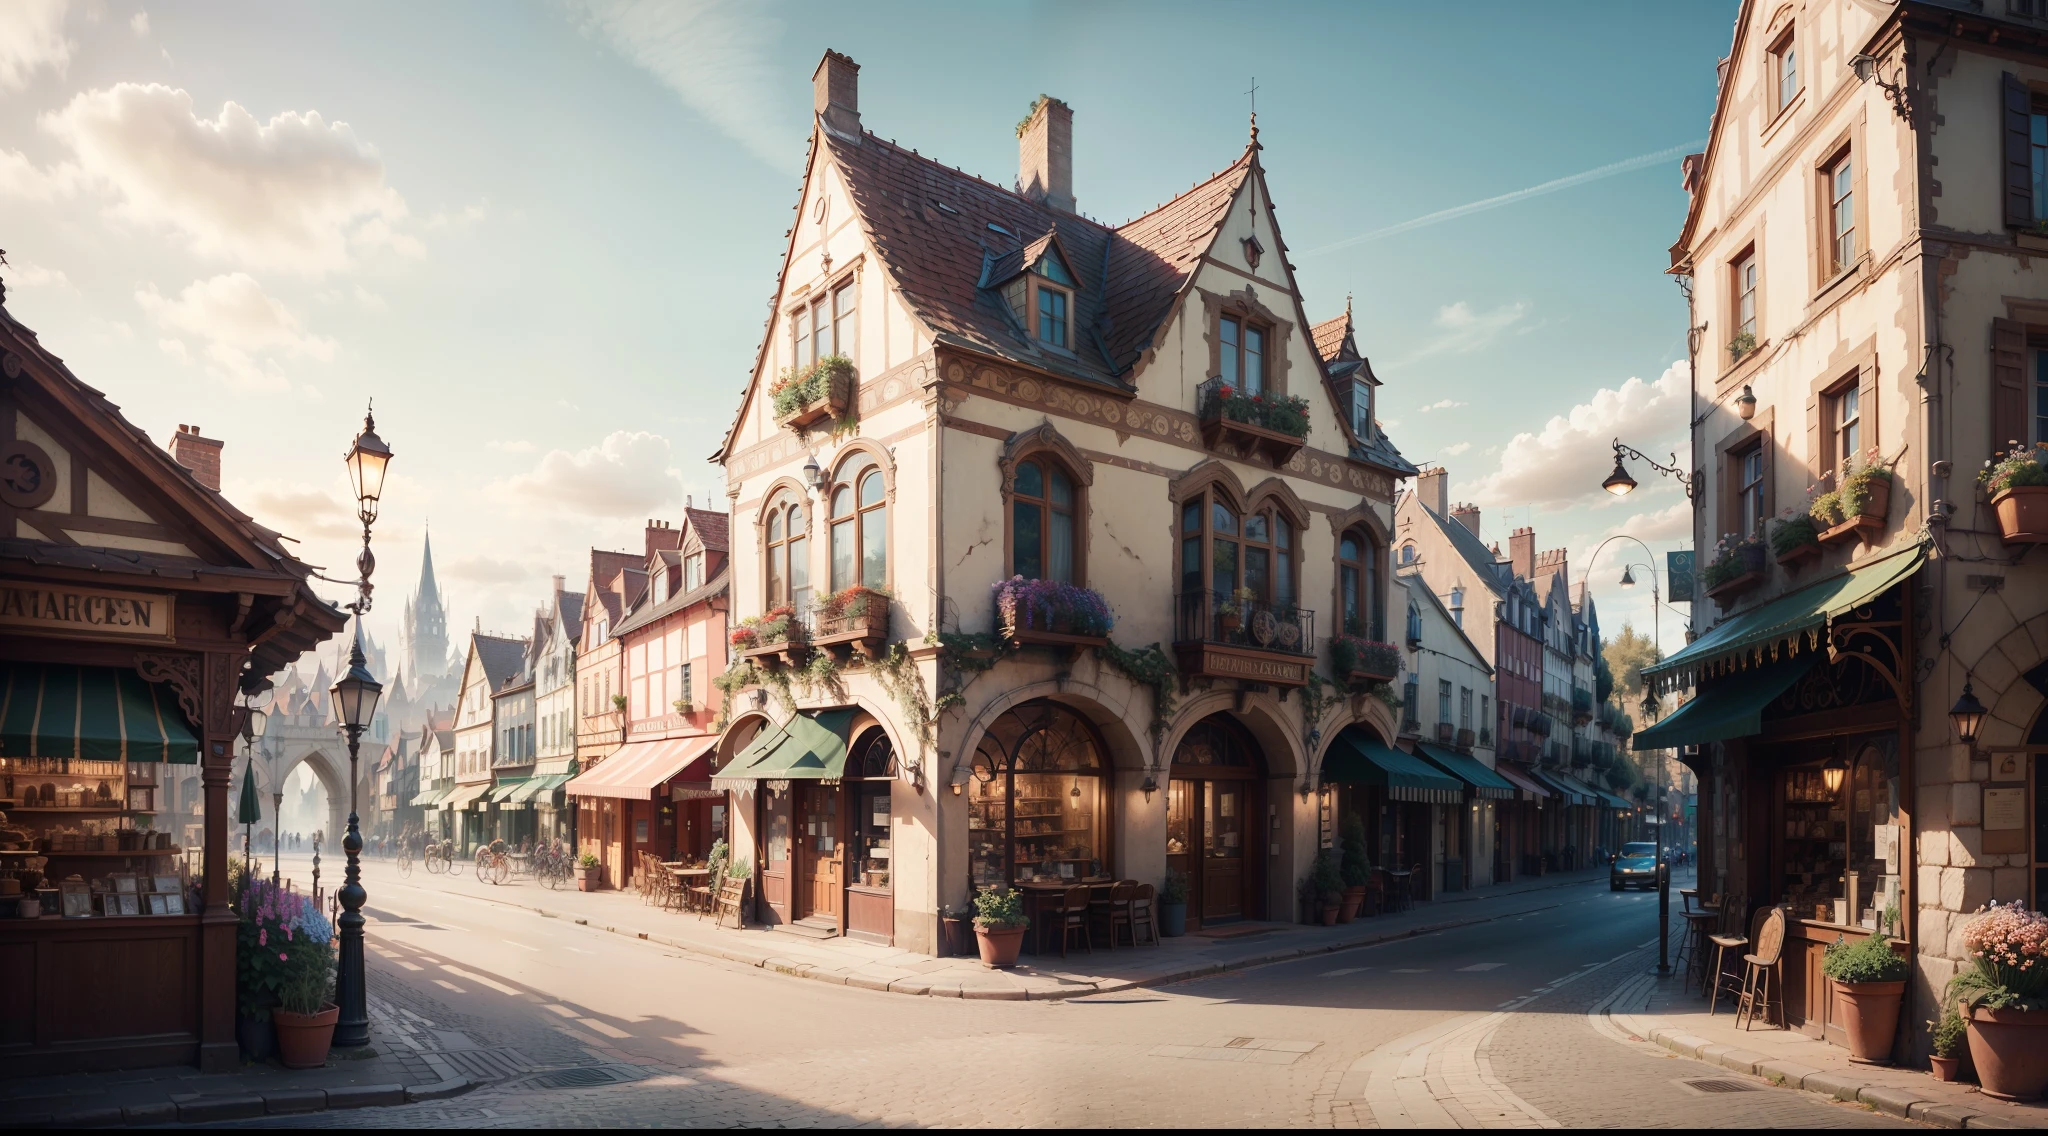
386	1072
851	963
1666	1013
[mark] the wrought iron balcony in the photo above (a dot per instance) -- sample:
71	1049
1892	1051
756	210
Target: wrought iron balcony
1229	636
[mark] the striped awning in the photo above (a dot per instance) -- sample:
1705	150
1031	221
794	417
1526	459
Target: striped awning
430	798
1357	758
91	713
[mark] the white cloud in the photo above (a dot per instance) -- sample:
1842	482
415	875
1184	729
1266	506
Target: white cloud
1564	463
1443	404
370	300
626	475
1457	448
247	334
28	274
22	179
139	23
32	38
295	194
1461	331
509	446
299	511
716	54
486	570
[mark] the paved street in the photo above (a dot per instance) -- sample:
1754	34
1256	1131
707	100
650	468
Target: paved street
1482	1026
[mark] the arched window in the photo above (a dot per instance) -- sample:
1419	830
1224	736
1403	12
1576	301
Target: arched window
1043	505
1226	552
788	576
1038	804
1358	585
860	525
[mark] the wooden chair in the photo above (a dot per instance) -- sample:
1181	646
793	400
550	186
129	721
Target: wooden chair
1692	949
1761	966
1722	978
1115	911
732	897
1144	908
1067	915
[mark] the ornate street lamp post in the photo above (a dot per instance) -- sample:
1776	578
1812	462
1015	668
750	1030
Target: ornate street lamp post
355	706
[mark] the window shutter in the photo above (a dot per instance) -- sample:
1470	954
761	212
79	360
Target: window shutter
1816	453
2019	158
1866	409
2008	383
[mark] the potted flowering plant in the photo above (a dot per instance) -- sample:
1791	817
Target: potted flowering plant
1867	491
282	940
1048	611
999	924
1360	661
1275	425
306	1010
803	395
1231	612
855	612
2003	999
2017	486
586	872
1870	981
1794	539
1738	566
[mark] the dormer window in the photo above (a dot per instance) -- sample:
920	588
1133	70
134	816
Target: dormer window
1253	250
693	571
1041	295
1361	410
1052	316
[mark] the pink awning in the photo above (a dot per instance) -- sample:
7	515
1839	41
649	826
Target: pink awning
1531	790
635	770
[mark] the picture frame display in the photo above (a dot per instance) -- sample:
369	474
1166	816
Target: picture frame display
174	905
159	904
75	899
130	903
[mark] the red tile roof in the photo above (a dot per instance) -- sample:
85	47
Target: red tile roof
1330	336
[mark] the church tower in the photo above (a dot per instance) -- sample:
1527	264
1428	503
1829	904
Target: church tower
424	631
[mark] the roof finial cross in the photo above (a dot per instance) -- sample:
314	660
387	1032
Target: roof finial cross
1253	94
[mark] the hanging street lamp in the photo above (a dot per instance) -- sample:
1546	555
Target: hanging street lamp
1967	715
355	708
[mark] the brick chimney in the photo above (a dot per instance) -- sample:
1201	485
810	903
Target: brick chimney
1467	515
662	538
835	87
1433	488
199	454
1522	552
561	582
1045	155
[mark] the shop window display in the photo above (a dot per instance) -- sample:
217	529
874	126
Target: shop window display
1037	806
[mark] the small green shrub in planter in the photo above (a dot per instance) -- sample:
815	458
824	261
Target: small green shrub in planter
1329	879
1870	960
1356	865
999	910
1173	904
1951	1034
1826	509
587	861
1793	533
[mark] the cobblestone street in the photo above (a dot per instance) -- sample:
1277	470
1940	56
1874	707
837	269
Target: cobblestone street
1482	1026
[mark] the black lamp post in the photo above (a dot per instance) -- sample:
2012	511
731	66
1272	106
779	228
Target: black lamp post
355	706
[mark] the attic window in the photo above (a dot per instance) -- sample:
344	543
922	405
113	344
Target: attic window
944	208
995	228
1253	250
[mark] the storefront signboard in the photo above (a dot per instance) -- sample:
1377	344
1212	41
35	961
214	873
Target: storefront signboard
69	610
2005	820
1678	575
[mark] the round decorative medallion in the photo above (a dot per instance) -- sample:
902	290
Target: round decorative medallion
28	477
10	364
1264	627
1290	635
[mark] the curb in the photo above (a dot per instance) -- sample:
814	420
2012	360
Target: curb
923	986
196	1109
1841	1084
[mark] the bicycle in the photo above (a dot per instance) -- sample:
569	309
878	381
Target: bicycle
551	866
405	859
492	864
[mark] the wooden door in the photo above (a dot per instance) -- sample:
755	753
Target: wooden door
1223	850
1184	839
774	852
820	882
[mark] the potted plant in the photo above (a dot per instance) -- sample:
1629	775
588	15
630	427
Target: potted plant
1738	566
257	974
1050	612
1360	661
1950	1042
1329	884
1173	904
586	872
1870	981
854	613
999	925
954	924
306	1011
1741	345
1867	492
2003	997
1794	539
2017	486
1231	612
1356	868
805	395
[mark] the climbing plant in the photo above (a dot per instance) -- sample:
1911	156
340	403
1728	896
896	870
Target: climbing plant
1149	667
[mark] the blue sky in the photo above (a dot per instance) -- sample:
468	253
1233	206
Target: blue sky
542	235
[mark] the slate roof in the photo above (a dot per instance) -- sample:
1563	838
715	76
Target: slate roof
1476	554
570	606
500	657
710	527
641	618
939	230
604	570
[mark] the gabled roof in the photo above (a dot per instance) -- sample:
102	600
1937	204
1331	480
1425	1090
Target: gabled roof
652	612
710	528
569	607
500	657
1416	584
1333	338
1479	557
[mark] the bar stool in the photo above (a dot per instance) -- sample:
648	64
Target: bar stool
1722	978
1759	968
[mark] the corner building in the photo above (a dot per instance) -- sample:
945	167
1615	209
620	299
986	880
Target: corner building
1028	393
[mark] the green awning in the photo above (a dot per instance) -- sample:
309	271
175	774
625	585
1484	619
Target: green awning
1787	626
506	789
1614	802
1569	790
809	747
538	787
1357	758
91	713
1486	785
1730	707
428	798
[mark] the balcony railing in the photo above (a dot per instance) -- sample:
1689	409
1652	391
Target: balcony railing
1444	733
1225	636
1270	424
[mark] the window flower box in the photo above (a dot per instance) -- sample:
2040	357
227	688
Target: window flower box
1361	662
2017	485
1858	509
1738	567
1047	613
1275	426
856	618
805	396
775	634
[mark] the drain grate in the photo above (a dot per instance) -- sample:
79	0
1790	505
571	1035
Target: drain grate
487	1064
583	1077
1720	1086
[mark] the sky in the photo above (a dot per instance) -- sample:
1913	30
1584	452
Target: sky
542	234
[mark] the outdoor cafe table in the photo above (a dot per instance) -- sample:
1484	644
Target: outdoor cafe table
1047	895
685	877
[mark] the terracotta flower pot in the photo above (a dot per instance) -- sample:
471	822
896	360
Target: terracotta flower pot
1328	913
303	1039
2010	1050
999	945
586	878
1944	1068
1354	898
2023	514
1870	1015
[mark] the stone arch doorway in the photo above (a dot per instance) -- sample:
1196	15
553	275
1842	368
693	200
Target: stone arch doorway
1216	821
1039	800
